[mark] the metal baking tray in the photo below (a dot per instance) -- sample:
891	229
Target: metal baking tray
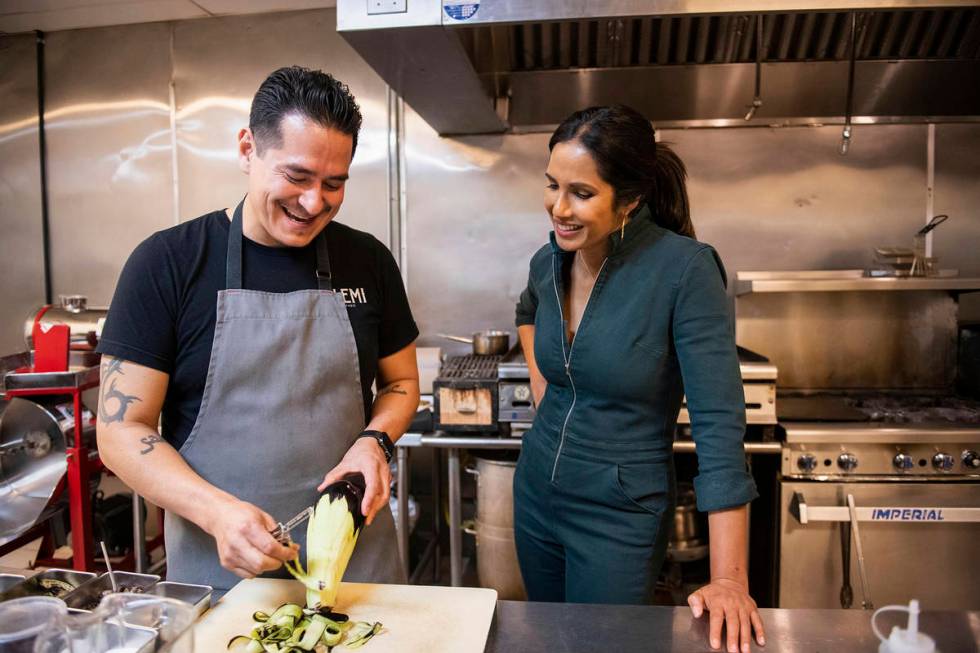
33	586
197	595
87	596
9	580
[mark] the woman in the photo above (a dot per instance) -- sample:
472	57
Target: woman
624	311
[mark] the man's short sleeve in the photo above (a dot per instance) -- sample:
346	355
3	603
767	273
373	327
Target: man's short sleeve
397	329
527	305
140	326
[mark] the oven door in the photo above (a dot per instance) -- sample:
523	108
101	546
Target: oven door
927	552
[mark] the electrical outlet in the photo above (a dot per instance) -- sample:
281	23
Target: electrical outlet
387	6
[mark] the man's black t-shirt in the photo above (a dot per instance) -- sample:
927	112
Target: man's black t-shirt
163	312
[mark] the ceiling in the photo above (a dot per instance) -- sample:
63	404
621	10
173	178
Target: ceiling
52	15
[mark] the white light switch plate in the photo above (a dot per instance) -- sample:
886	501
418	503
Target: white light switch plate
387	6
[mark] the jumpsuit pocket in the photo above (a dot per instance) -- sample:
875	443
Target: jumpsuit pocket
645	486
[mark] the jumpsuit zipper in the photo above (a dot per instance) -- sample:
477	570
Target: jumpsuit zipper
568	358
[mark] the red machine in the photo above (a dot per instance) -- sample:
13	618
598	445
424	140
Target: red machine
47	436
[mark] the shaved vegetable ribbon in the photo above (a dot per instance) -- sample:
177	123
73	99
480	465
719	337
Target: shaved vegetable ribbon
294	629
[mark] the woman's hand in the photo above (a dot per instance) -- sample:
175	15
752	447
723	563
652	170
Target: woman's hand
728	603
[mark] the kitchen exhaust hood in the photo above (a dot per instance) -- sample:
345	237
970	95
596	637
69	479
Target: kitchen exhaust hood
523	65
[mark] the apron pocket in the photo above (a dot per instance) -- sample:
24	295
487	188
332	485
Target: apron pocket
644	485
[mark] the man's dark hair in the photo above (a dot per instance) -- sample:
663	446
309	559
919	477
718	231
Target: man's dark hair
313	94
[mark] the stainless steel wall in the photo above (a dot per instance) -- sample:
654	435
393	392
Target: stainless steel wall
835	340
957	188
21	254
768	199
784	199
109	153
219	64
113	94
475	217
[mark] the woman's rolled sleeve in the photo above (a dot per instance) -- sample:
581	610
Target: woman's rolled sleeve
706	352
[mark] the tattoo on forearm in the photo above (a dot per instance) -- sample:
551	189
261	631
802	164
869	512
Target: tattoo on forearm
150	441
392	390
120	400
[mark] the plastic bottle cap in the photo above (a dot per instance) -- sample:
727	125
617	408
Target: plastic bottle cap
904	640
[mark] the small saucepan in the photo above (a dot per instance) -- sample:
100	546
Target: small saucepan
485	343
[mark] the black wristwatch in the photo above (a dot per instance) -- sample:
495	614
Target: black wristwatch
387	446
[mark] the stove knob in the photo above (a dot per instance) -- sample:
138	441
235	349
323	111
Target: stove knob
903	462
807	462
847	461
971	459
943	462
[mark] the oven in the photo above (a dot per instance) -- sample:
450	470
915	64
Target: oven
882	507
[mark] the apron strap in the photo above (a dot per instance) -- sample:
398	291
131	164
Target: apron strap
233	260
324	279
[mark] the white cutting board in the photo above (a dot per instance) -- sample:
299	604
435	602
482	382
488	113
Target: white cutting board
416	618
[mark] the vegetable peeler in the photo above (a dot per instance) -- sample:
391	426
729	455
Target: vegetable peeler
281	531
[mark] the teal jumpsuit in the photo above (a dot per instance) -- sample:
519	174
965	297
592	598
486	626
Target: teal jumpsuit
594	486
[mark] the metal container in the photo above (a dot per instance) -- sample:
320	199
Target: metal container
135	639
52	582
494	490
9	580
496	553
84	323
87	596
687	530
197	595
492	342
496	562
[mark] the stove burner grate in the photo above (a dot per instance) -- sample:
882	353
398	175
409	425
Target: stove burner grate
470	367
917	409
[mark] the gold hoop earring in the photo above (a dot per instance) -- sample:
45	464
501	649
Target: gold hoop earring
622	229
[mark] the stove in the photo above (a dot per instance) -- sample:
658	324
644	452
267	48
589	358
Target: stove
896	475
465	395
928	437
758	383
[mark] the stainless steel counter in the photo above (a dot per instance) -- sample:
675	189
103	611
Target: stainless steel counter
578	628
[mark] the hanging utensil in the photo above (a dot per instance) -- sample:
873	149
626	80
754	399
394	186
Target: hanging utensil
846	592
866	602
932	224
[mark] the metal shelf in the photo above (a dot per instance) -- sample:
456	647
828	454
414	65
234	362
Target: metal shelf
847	281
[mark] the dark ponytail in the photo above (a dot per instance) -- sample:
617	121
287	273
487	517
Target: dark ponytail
623	144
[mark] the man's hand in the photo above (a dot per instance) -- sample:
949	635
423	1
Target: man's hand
729	604
365	456
245	547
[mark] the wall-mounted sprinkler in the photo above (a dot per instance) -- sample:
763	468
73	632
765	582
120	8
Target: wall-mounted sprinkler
757	100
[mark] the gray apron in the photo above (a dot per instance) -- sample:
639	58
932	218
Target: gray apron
281	406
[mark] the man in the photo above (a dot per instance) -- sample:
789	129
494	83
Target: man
258	332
